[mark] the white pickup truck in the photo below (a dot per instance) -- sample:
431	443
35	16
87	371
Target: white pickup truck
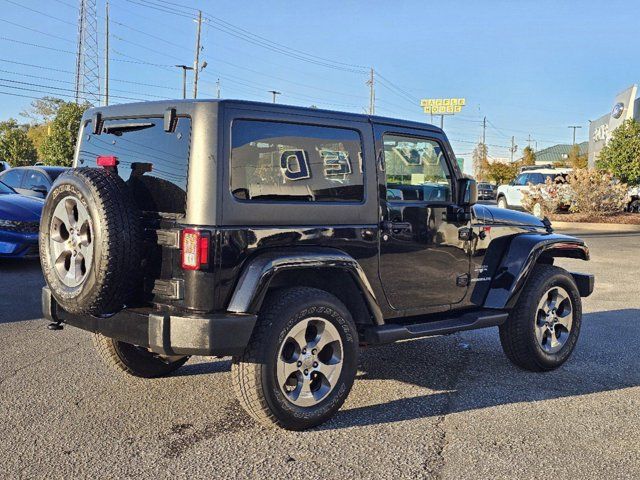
510	196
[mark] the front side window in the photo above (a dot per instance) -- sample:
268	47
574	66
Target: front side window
276	161
416	169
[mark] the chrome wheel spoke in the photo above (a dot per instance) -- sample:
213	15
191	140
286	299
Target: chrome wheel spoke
330	371
299	333
71	210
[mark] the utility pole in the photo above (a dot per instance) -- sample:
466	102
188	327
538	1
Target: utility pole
106	55
184	78
372	92
484	139
274	93
529	140
218	88
196	62
513	148
574	132
484	131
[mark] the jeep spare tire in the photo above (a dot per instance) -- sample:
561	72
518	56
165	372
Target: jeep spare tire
90	241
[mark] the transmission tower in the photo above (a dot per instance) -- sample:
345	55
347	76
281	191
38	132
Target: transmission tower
87	70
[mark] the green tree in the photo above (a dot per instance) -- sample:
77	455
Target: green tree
15	146
621	155
58	147
480	163
528	157
501	173
576	160
43	110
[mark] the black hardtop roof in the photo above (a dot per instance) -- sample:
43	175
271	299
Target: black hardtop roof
162	105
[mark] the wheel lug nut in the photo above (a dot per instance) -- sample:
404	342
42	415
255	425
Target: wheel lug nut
304	351
315	364
299	364
306	372
314	351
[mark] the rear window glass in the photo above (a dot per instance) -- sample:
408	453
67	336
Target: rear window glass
274	161
151	161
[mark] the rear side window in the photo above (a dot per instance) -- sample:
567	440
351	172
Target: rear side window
272	161
151	161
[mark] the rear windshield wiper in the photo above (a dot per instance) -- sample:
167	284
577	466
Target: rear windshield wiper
120	128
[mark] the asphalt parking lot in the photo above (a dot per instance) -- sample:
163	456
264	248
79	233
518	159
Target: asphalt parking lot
446	407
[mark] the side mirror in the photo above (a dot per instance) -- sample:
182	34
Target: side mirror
468	189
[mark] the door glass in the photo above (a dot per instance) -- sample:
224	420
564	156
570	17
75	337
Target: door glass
521	180
33	178
416	170
13	178
535	178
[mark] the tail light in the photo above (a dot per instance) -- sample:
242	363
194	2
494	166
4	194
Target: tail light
107	161
195	249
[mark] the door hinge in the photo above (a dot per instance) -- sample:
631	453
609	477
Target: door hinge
462	280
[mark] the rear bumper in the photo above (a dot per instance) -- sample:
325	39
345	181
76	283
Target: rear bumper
213	334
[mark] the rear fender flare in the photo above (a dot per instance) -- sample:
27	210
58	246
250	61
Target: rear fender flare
524	252
258	273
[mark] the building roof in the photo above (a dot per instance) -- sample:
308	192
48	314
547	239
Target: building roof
558	153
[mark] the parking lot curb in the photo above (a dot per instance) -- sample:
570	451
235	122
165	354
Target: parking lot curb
599	227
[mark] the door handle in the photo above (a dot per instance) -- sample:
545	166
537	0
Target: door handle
396	226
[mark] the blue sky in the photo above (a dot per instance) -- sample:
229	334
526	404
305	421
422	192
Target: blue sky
530	67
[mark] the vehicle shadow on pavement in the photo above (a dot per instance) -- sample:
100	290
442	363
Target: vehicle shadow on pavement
21	282
472	372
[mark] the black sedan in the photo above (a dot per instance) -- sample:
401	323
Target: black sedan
32	181
486	191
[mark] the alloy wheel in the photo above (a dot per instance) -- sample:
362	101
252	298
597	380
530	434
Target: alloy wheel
554	319
309	361
71	241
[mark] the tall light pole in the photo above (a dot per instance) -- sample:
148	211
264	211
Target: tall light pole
574	132
196	61
184	78
274	93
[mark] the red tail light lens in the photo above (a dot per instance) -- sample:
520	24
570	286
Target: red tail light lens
107	161
195	249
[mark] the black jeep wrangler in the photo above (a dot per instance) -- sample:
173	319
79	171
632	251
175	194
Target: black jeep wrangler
287	238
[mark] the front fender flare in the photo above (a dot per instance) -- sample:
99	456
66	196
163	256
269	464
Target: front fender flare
518	262
257	275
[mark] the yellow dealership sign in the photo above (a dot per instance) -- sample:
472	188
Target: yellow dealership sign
442	106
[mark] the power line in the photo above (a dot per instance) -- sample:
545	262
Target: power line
70	72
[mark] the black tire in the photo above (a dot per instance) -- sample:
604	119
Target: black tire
518	334
136	361
254	373
634	206
116	241
502	197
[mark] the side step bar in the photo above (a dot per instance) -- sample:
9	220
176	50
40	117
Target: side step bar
390	332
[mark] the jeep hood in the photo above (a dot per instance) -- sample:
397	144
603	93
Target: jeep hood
504	217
